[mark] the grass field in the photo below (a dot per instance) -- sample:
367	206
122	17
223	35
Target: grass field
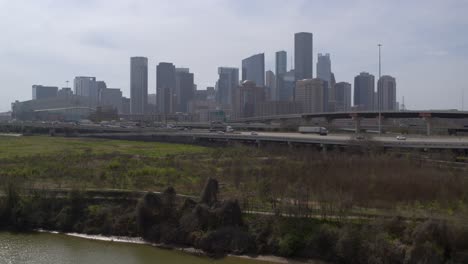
43	145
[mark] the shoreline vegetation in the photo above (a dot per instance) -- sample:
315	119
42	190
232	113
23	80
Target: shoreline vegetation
357	206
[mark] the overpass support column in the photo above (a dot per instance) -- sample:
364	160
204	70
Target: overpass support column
357	124
428	125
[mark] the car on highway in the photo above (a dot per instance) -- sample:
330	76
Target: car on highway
253	133
360	137
220	132
400	137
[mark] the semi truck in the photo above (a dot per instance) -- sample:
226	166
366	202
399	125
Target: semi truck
313	130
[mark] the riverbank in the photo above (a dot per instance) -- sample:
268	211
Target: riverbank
190	250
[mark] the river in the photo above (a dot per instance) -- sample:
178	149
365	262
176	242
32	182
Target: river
46	248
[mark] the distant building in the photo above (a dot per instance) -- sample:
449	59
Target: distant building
165	86
65	92
125	105
281	62
111	98
303	56
286	86
386	93
246	98
364	91
42	92
253	69
270	84
138	85
227	82
310	94
87	87
55	108
343	97
211	94
273	108
184	92
280	71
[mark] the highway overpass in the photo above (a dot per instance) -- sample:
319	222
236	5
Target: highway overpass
416	142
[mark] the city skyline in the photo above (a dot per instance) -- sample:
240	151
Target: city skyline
421	64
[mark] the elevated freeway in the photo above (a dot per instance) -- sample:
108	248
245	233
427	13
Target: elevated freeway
417	142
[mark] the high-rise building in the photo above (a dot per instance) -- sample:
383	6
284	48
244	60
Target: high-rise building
364	91
185	90
324	72
343	97
286	86
281	62
43	92
65	92
303	58
309	93
253	69
270	83
324	68
227	82
246	98
138	85
386	93
165	86
280	69
111	97
87	87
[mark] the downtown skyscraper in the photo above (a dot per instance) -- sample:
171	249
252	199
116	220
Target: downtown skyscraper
281	67
303	58
386	93
253	69
165	86
364	90
138	85
228	81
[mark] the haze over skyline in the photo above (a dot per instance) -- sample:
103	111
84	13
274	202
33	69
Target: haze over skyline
425	46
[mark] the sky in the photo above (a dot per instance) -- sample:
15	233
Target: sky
425	42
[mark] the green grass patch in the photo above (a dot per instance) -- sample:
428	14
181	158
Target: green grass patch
43	145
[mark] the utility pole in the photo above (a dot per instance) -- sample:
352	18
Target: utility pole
379	91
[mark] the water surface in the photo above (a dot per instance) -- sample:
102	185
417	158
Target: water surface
46	248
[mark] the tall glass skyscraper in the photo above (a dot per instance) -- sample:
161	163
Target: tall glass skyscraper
253	69
138	85
228	81
303	57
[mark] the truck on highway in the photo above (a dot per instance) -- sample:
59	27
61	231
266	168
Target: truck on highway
313	130
229	129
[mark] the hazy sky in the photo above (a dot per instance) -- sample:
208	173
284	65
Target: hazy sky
425	42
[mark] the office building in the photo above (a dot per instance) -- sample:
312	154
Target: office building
65	92
287	83
165	86
111	98
324	71
227	82
386	93
280	70
253	69
87	87
272	108
246	98
138	85
43	92
184	92
364	91
270	83
281	62
303	58
343	97
310	94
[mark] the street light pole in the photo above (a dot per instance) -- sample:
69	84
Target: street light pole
379	91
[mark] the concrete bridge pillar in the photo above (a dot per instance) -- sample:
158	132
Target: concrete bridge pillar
357	124
428	119
428	125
